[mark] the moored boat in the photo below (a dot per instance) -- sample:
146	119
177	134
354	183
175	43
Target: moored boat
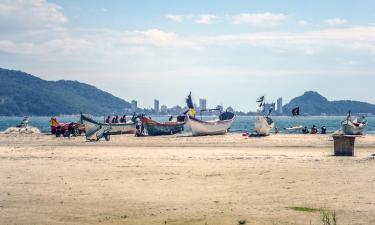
155	128
263	123
353	127
213	127
115	128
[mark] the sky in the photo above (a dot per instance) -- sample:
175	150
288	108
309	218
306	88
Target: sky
229	52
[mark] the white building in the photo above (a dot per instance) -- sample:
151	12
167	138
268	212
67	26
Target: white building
280	106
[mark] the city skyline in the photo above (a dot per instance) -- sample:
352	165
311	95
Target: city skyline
229	52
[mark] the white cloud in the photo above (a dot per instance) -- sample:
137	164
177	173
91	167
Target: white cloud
205	19
303	22
336	22
21	14
200	19
354	38
175	18
259	19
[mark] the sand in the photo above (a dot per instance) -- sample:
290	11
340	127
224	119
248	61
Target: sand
183	180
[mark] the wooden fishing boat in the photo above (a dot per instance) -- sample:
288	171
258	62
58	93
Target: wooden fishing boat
263	125
353	127
214	127
155	128
115	128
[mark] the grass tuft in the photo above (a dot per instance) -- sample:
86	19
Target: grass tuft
303	209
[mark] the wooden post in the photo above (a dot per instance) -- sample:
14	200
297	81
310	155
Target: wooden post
344	145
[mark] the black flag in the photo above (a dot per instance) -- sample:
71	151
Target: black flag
260	100
295	111
189	102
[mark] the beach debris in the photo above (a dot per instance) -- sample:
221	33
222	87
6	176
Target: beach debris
22	130
241	222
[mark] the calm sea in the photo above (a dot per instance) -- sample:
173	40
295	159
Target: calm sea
241	124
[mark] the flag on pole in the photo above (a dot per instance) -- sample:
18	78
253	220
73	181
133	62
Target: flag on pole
295	111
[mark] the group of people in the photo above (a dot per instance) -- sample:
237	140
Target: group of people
314	130
115	119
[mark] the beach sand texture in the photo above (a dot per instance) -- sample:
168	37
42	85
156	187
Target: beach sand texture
183	180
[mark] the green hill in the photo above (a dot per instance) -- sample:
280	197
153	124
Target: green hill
312	103
24	94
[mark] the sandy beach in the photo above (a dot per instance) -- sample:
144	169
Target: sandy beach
184	180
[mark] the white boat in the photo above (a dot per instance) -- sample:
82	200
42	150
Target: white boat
263	125
113	128
353	127
213	127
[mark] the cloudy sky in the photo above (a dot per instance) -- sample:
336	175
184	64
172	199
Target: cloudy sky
229	52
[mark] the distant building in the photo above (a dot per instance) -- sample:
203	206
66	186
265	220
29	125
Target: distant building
202	104
164	109
134	105
268	107
230	109
280	105
220	107
156	106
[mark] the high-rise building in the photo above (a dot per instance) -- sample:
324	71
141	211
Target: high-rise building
280	105
134	105
156	106
202	104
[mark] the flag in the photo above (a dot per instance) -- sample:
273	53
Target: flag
260	99
189	102
270	111
295	111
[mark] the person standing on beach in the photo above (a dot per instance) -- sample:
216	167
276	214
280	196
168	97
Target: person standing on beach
108	119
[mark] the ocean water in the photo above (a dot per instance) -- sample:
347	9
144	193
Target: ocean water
241	123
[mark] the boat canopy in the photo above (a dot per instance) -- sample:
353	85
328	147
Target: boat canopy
226	116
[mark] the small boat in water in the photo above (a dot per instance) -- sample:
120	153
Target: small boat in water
115	128
155	128
294	128
213	127
353	127
263	123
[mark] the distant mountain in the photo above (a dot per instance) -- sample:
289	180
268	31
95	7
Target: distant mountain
24	94
312	103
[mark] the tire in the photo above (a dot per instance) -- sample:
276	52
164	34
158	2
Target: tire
66	133
107	137
76	132
58	133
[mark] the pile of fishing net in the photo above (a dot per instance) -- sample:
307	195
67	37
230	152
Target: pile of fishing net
22	130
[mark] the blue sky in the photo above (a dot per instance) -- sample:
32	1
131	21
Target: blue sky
229	52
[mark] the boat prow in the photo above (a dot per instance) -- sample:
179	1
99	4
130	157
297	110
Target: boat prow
263	125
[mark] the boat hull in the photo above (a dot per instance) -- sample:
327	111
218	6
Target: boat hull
200	128
154	128
349	128
262	127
